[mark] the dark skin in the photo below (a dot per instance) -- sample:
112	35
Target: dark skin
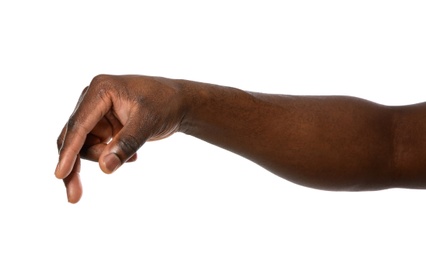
337	143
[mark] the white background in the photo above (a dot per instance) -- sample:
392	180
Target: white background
184	198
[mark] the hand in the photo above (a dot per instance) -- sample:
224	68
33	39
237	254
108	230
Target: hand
113	118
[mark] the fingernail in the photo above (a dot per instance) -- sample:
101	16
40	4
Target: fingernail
112	162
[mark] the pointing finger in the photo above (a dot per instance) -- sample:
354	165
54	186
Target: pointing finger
91	109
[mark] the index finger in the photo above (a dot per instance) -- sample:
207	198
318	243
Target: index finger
91	108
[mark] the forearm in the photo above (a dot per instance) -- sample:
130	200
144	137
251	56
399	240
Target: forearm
334	143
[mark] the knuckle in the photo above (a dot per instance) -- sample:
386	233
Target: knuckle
101	84
101	80
59	142
72	124
60	139
105	87
76	127
129	145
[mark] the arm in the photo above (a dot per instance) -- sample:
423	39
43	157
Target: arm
333	142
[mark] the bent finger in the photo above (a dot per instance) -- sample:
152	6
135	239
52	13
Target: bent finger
91	109
93	149
125	144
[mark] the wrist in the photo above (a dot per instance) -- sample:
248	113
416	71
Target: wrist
190	96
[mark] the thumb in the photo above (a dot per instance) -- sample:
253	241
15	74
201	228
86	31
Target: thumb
122	147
